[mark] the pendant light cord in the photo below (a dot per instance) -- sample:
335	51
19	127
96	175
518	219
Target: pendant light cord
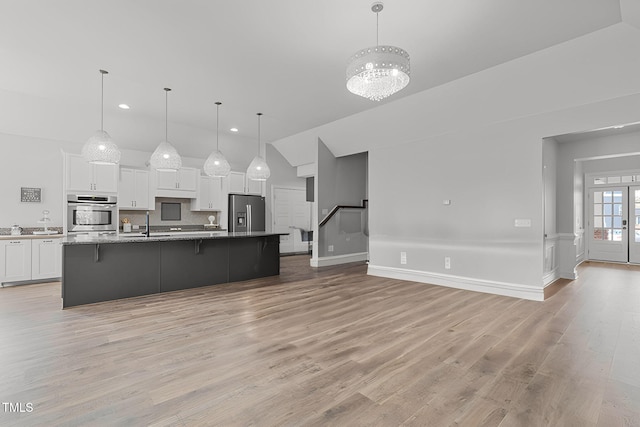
259	114
102	105
377	29
103	72
218	125
166	114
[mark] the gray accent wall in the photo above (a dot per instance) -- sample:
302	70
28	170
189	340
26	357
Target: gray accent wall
341	181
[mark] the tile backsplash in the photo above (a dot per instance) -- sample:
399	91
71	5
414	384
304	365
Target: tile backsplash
188	217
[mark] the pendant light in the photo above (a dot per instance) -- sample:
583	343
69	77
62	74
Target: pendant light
379	71
217	165
258	169
166	158
100	148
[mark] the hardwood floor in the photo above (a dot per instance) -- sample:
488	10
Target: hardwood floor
326	347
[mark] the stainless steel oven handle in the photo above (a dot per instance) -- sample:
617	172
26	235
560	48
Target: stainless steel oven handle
92	205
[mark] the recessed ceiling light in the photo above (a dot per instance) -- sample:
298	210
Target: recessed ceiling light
234	129
124	106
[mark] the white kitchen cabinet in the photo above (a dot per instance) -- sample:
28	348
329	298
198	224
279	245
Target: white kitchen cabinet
46	258
15	260
183	179
133	191
210	195
238	183
82	176
180	183
255	187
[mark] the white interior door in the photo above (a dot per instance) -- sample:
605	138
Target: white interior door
608	231
634	224
291	213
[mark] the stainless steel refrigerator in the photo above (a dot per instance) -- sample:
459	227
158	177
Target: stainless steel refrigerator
246	213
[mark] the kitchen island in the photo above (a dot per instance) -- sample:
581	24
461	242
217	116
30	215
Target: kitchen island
105	268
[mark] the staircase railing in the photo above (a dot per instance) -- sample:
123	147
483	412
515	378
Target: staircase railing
336	208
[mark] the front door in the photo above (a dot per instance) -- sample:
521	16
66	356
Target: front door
608	231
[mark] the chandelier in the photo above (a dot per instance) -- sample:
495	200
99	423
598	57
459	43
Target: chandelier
217	165
380	71
100	148
166	157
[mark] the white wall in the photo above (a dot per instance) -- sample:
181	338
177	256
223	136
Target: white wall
550	159
551	237
478	142
616	163
30	162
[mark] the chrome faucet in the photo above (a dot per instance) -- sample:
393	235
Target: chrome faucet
148	231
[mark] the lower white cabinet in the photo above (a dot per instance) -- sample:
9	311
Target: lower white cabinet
24	259
46	259
15	257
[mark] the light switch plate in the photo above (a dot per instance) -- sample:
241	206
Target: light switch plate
523	222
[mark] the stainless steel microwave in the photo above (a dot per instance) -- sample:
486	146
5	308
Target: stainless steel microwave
91	213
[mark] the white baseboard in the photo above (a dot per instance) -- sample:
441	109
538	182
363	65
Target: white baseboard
571	275
479	285
339	259
550	277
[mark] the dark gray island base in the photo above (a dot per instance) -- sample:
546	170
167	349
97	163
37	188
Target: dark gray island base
110	268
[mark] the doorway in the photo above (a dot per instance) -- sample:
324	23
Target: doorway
291	215
614	223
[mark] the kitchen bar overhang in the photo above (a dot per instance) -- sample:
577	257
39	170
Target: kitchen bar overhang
105	268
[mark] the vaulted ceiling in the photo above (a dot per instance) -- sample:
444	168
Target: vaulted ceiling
285	58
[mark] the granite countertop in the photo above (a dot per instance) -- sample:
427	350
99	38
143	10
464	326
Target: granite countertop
27	233
30	236
161	237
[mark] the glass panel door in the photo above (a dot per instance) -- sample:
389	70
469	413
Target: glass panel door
608	231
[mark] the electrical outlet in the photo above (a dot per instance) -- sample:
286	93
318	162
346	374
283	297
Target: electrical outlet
403	257
330	249
447	263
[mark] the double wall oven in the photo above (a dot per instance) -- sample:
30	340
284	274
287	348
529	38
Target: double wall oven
92	214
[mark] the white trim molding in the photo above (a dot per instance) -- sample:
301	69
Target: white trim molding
551	271
567	243
515	290
338	259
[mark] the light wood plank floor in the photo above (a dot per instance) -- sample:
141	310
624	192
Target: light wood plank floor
327	347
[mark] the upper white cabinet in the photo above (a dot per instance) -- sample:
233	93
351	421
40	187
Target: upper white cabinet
15	260
210	195
180	183
238	183
255	187
82	176
46	259
133	191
